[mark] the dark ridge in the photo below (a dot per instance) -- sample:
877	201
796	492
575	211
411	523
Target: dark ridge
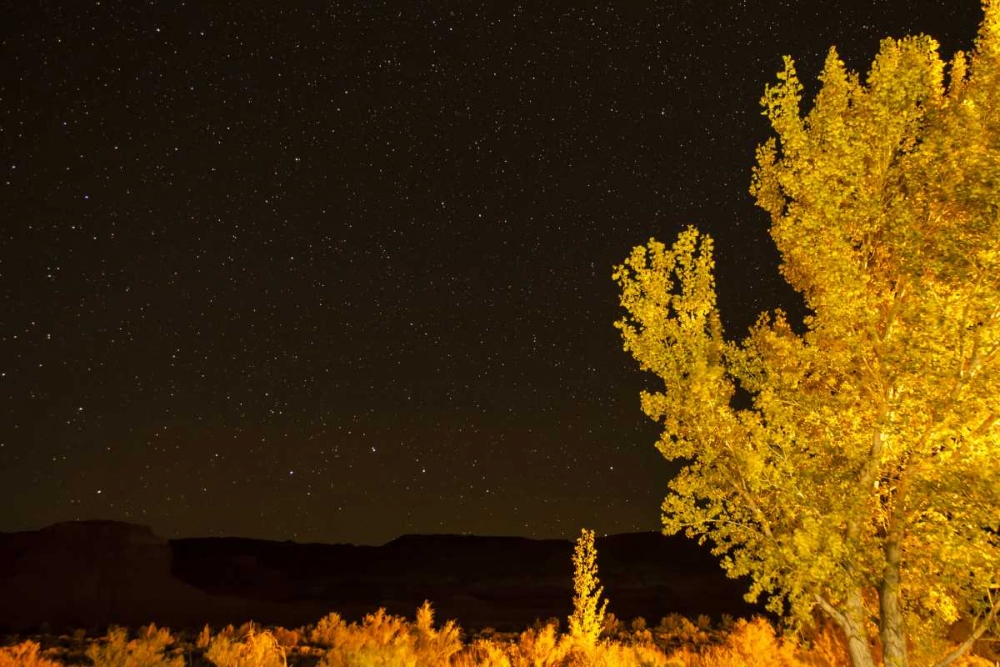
89	574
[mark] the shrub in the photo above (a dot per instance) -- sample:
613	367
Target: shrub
380	640
751	644
255	649
204	638
588	610
826	647
146	650
435	647
612	626
24	654
541	648
287	638
676	630
483	653
387	640
616	654
328	631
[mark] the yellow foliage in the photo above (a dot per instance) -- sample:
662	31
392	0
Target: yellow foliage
542	647
676	630
751	644
826	648
287	638
973	661
254	649
380	639
328	630
383	639
204	638
24	654
588	611
864	478
483	653
146	650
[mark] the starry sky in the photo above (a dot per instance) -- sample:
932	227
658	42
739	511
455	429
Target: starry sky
341	271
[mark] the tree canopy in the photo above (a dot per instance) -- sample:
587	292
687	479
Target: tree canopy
863	480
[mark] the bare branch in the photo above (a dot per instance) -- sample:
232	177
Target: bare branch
977	632
831	611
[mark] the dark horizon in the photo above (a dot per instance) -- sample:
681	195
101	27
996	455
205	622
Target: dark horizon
337	275
401	536
96	575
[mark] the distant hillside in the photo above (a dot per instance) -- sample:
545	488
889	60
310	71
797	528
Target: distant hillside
91	573
88	574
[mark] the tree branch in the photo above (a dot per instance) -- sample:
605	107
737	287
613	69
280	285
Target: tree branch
971	639
987	424
831	611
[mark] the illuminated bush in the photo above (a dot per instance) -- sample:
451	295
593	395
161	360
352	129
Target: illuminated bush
383	639
24	654
825	647
483	653
146	650
254	649
676	630
436	646
542	647
588	610
287	638
615	654
752	644
204	638
328	631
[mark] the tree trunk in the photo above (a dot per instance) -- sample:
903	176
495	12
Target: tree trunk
891	629
851	621
857	635
892	626
859	652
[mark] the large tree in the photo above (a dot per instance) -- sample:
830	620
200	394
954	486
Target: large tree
862	480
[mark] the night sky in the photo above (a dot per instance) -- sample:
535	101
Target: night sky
342	271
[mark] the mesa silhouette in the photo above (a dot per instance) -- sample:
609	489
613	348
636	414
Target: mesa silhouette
89	574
